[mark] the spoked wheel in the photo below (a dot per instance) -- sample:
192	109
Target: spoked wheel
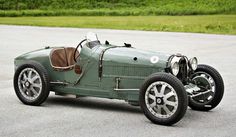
212	88
31	83
163	99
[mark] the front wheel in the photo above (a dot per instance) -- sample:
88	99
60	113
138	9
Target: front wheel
163	99
211	84
31	83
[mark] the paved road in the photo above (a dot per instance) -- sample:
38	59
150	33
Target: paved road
60	116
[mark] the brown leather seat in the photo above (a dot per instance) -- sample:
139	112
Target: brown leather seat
63	58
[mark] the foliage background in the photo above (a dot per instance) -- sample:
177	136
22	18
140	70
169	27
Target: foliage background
115	7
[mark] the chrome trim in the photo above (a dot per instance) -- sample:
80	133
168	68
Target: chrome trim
100	62
117	83
190	62
178	58
201	93
128	89
190	88
59	82
174	60
126	77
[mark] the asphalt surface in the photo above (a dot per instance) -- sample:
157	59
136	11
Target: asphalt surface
63	116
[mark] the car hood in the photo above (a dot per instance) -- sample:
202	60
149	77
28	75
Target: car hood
34	54
40	55
134	56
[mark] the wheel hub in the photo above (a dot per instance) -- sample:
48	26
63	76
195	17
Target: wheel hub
159	100
202	81
27	84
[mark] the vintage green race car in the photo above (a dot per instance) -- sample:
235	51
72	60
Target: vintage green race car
162	84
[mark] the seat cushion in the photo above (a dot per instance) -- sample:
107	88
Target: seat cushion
58	57
70	55
63	58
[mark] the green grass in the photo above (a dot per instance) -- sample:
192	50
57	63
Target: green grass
216	24
151	11
15	8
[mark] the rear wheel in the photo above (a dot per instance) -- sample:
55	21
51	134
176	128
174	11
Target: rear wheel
31	83
211	84
163	99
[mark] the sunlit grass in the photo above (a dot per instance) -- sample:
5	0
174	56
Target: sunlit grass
216	24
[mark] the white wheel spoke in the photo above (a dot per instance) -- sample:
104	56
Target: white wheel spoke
152	97
153	104
170	103
34	78
34	91
212	82
30	74
210	97
24	89
30	93
211	93
24	76
22	81
169	95
37	85
166	110
159	109
163	87
155	90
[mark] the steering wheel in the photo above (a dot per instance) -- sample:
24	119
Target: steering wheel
79	45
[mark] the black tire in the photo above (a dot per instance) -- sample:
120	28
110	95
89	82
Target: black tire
219	90
180	92
44	88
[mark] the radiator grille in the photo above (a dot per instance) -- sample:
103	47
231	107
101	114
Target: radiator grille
183	72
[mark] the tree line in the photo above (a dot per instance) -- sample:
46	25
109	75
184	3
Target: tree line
68	4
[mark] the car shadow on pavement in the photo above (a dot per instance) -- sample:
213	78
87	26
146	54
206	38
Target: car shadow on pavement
93	103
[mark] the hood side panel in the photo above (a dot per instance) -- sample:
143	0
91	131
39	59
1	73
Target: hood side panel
133	62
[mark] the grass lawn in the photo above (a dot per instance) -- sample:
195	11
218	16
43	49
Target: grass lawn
215	24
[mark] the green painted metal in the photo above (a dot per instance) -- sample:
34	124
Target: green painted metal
127	66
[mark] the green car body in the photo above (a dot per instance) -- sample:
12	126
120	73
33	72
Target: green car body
162	84
129	66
